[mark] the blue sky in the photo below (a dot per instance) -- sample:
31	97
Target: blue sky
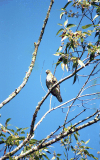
20	25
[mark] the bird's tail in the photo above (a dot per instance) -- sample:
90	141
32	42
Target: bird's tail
59	98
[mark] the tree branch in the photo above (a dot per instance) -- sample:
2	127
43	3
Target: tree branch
58	137
13	94
24	82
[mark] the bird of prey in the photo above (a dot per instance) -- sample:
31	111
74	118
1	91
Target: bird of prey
50	81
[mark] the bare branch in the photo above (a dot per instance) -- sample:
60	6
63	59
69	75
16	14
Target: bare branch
13	94
24	82
59	137
79	93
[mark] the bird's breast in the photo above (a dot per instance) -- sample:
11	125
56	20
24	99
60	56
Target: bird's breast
49	78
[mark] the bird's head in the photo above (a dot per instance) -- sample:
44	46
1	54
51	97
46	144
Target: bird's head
47	71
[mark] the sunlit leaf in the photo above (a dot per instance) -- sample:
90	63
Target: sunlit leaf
63	38
57	54
60	48
62	66
81	63
87	141
95	17
46	150
66	67
87	26
62	14
65	23
53	157
74	58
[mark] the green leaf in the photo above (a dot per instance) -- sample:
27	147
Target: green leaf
7	121
25	128
12	130
82	141
67	4
70	25
46	150
94	4
33	141
60	30
76	137
75	64
86	26
1	142
91	155
88	148
72	148
58	154
45	156
74	58
20	138
86	152
75	78
1	134
10	158
82	39
92	55
97	33
19	129
60	24
98	11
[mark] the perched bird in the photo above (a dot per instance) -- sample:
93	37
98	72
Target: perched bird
50	81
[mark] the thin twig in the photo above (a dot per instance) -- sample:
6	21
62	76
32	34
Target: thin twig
79	94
